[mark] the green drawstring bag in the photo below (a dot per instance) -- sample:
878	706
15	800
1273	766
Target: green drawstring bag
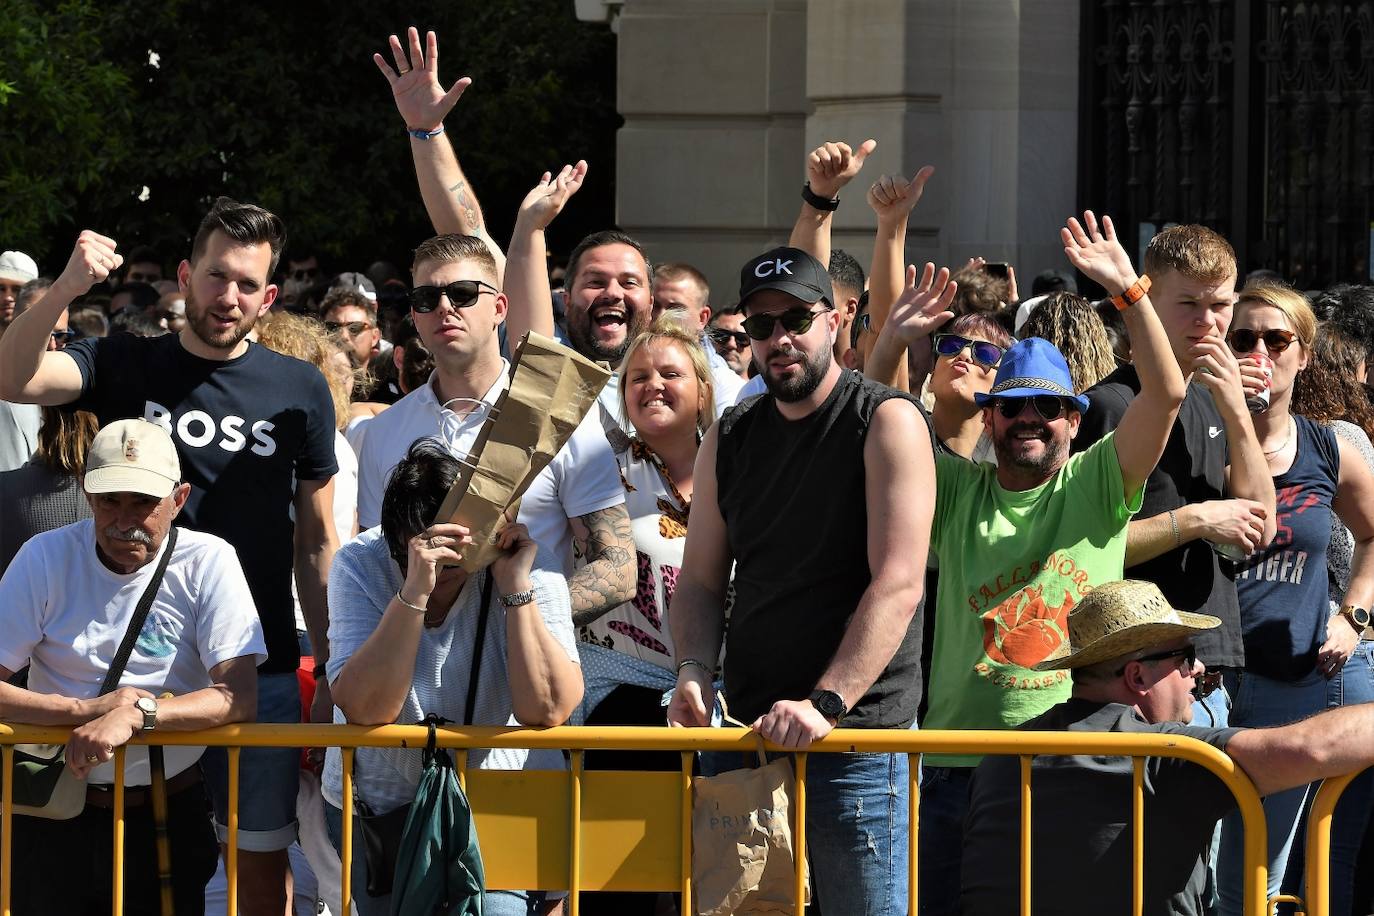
439	866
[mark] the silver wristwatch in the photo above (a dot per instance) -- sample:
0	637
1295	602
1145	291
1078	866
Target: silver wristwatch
147	706
518	599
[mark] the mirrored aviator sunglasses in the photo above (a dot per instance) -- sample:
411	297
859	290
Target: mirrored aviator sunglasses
985	354
794	321
461	294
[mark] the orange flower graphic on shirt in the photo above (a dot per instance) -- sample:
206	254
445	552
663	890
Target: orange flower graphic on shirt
1024	630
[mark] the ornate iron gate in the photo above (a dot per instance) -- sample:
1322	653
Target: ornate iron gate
1255	117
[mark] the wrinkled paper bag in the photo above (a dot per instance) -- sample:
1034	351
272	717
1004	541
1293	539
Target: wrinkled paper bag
552	388
742	852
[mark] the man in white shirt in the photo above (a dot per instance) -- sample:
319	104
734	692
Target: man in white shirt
457	306
66	603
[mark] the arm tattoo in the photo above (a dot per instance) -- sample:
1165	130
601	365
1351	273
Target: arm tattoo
468	205
608	579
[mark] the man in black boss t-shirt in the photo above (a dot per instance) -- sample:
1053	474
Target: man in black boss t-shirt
1212	484
820	495
254	432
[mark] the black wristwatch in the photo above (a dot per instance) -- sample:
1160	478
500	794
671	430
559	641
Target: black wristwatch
829	703
828	204
1358	617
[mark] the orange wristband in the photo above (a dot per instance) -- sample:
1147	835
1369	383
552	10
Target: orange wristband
1133	295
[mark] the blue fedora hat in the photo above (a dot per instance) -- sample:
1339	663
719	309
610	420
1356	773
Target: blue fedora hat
1032	367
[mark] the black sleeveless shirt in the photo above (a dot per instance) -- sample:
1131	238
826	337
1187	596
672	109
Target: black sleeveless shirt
792	496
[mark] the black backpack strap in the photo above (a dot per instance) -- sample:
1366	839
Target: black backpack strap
145	603
479	642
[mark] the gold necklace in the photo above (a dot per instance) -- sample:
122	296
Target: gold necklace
1287	439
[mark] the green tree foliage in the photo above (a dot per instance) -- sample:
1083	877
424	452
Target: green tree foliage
280	104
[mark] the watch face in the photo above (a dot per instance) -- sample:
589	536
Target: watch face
1360	616
830	704
146	704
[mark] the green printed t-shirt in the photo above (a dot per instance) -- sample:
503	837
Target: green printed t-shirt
1012	566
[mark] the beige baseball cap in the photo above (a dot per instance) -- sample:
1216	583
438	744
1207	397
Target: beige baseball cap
132	456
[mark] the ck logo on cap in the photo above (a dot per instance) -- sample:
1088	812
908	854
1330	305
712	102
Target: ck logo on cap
774	267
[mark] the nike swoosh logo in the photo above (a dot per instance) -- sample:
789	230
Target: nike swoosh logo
1213	432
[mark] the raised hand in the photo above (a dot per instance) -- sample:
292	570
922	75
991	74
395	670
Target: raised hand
547	199
93	259
922	307
831	165
892	197
420	98
1097	253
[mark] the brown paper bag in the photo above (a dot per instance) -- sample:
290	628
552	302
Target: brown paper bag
742	852
551	390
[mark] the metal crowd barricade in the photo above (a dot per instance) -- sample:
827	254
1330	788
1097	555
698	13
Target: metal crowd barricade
579	830
1317	881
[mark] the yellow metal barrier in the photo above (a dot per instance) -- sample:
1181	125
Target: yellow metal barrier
581	830
1318	861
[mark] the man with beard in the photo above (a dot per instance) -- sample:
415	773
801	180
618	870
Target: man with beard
1020	543
254	432
819	494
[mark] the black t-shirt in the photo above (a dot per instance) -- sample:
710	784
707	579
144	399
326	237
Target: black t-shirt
792	496
1081	823
245	429
1191	470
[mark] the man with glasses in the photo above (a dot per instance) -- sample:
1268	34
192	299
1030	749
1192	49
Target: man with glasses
353	317
819	495
1021	543
1212	490
1134	669
727	335
457	306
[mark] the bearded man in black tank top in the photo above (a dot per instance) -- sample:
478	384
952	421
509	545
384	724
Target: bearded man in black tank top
820	494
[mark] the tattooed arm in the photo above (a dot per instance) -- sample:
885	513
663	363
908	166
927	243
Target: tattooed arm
423	104
608	579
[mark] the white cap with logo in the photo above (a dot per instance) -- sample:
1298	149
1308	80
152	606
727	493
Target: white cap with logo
132	456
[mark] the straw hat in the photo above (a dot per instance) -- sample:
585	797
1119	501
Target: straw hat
1120	617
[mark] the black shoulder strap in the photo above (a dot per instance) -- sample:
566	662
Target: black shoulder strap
478	643
140	614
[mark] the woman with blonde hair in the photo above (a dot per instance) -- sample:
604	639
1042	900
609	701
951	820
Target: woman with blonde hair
1293	643
1070	322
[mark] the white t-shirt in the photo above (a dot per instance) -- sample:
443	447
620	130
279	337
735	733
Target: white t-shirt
361	584
345	506
582	478
64	612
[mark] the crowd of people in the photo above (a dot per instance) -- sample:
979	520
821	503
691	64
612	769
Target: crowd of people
872	499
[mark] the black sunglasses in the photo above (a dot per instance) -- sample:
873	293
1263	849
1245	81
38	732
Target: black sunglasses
794	321
461	294
722	337
985	354
1244	340
354	328
1188	654
64	337
1047	405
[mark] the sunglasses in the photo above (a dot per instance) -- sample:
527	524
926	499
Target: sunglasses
305	273
1187	655
460	293
354	328
985	354
794	321
722	337
1047	405
64	337
1244	340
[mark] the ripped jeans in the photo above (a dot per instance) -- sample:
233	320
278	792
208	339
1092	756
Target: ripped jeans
857	830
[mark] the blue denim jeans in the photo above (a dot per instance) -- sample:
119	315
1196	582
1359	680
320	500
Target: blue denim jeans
1212	711
857	830
1258	701
495	903
268	776
944	805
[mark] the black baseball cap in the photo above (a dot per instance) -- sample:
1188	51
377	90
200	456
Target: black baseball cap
789	270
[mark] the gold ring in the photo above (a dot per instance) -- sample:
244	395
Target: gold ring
406	70
92	758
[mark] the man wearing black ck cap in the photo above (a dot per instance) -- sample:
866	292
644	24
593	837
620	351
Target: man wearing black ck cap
820	494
